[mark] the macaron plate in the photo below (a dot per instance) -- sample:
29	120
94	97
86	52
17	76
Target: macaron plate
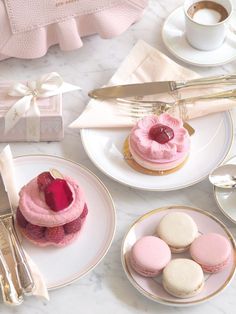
152	288
62	266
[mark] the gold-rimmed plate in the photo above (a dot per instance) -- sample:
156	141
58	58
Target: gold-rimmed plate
210	145
152	287
62	266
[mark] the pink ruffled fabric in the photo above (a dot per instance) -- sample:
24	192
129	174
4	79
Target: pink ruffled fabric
34	43
153	151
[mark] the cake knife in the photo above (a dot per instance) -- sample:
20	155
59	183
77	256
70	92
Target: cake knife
152	88
6	216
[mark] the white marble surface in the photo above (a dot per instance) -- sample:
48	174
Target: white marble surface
106	289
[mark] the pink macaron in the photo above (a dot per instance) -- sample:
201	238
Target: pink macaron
149	255
212	251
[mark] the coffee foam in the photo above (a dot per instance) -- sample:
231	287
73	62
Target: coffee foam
207	12
207	16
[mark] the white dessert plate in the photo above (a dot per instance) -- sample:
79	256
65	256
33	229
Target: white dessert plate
62	266
209	147
173	35
152	287
226	198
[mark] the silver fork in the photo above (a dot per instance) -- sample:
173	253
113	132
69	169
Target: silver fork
139	108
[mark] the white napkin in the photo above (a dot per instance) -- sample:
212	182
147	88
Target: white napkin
145	64
8	175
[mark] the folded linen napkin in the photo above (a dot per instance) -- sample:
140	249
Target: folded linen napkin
7	172
145	64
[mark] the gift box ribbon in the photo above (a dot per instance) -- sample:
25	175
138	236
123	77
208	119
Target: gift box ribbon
48	85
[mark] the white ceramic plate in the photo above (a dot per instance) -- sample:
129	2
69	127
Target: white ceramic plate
61	266
226	198
210	146
152	287
173	35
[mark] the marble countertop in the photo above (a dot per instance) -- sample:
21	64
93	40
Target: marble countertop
106	289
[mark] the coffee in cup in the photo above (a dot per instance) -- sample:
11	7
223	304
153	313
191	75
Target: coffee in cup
207	12
206	22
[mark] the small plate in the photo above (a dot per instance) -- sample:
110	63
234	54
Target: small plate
152	287
226	198
173	35
62	266
209	147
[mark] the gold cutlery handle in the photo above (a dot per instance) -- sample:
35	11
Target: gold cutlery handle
218	79
22	268
221	95
9	293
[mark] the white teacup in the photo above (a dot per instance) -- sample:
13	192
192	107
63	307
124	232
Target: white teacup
206	22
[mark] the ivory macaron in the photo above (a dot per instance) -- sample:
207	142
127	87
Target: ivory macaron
178	230
212	251
149	255
183	278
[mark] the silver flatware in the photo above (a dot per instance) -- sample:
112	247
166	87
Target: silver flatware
224	176
142	105
6	217
9	292
152	88
137	109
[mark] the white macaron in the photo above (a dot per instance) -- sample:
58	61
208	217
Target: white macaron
178	230
183	278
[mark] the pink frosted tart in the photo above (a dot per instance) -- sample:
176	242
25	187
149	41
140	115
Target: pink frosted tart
159	143
51	210
149	255
212	251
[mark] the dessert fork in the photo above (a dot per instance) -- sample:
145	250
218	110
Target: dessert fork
135	107
134	110
139	108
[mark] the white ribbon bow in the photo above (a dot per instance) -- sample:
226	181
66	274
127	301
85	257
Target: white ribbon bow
48	85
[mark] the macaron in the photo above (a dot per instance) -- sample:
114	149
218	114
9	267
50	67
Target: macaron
212	251
149	255
178	230
183	278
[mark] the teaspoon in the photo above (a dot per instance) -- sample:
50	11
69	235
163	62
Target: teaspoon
224	176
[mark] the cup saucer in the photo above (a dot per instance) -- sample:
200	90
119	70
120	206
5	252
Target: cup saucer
226	198
173	35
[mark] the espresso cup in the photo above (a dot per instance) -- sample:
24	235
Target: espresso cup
206	22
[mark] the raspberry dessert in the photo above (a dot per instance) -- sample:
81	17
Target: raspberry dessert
159	143
51	210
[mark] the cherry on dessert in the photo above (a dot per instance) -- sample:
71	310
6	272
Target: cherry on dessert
44	179
161	133
58	195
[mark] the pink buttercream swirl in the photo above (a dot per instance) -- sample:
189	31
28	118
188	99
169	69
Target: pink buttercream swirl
153	151
34	208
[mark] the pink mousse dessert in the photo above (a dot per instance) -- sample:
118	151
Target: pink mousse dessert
159	143
51	211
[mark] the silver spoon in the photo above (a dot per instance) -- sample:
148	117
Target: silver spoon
224	176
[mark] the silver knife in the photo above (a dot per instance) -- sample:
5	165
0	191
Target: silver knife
6	217
152	88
